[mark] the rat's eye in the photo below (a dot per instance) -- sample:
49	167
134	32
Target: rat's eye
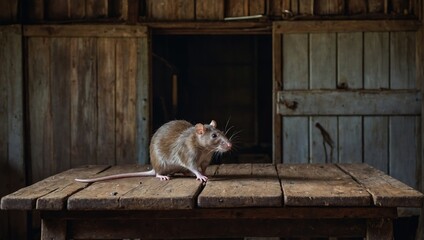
214	135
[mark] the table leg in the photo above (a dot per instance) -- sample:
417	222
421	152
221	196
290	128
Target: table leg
380	228
53	229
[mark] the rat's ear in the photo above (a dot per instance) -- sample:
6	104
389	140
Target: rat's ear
213	123
200	129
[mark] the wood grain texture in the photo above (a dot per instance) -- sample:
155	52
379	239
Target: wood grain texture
329	26
385	190
376	76
106	97
209	9
277	85
76	30
349	76
83	102
349	102
329	7
242	185
12	160
311	185
51	192
171	9
295	76
403	130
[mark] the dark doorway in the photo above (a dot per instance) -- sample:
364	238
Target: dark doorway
227	78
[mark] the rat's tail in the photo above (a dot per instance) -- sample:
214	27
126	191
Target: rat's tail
117	176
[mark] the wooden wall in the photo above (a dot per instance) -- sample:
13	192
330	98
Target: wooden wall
12	11
87	95
352	63
12	158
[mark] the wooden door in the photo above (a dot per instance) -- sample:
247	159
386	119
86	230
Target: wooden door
88	96
347	95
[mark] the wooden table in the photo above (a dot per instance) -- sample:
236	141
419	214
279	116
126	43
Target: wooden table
345	200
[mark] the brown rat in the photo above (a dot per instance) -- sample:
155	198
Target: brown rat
180	147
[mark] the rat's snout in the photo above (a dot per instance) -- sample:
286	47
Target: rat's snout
225	145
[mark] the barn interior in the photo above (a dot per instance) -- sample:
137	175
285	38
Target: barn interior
142	63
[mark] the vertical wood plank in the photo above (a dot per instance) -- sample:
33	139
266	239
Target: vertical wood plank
12	164
96	8
356	6
276	86
53	229
256	7
295	76
57	9
83	102
376	6
144	100
403	130
209	9
376	76
171	9
39	106
349	71
323	76
77	9
61	103
306	7
328	7
35	10
275	8
9	11
106	87
235	8
126	72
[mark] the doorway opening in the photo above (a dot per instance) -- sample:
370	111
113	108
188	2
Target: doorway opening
227	78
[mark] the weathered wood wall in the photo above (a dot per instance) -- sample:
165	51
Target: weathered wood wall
12	11
87	96
12	163
351	61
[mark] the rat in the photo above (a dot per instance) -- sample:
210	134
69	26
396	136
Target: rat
180	147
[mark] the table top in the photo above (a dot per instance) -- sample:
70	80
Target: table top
229	186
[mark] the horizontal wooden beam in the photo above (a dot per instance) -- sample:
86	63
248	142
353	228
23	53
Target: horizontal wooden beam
349	102
346	26
85	31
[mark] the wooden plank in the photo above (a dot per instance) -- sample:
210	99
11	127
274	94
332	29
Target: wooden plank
320	185
77	9
385	190
209	9
57	186
171	9
379	229
277	82
356	7
236	8
295	76
144	100
83	102
376	6
60	72
178	193
128	193
85	31
126	80
12	163
242	185
57	9
306	7
257	7
35	10
39	106
402	130
106	96
345	26
322	76
376	76
9	11
329	7
349	76
349	102
53	229
96	8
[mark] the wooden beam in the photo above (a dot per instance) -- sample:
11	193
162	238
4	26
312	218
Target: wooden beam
85	31
346	26
354	102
